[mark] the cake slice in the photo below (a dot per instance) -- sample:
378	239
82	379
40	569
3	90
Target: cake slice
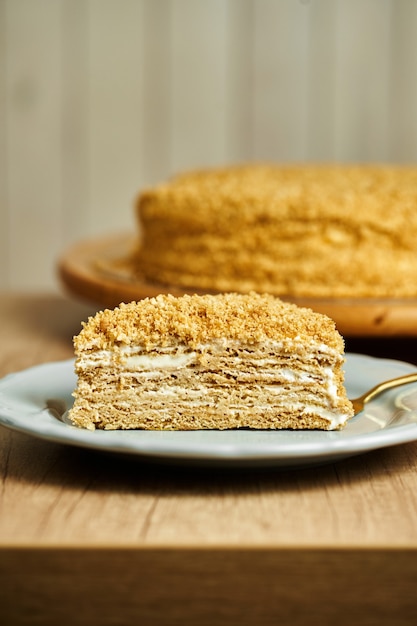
210	362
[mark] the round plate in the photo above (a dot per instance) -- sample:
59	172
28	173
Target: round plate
101	271
35	401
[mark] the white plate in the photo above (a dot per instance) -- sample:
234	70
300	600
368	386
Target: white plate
33	402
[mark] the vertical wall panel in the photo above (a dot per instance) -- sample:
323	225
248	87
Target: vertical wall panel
363	52
321	81
33	114
403	85
74	119
4	205
116	112
239	63
281	79
157	91
199	33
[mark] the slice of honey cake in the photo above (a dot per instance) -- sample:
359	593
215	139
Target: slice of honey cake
210	362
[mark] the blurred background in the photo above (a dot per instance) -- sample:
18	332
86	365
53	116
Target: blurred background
100	98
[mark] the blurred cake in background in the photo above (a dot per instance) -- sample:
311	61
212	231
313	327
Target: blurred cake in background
308	231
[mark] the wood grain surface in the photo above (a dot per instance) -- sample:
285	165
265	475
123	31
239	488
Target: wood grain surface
91	538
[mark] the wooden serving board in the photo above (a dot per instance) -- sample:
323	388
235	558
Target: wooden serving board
99	271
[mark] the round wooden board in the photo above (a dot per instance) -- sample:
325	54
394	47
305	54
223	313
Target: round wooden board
99	271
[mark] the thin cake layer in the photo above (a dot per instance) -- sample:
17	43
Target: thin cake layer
210	362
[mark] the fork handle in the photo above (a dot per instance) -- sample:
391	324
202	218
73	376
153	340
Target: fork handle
389	384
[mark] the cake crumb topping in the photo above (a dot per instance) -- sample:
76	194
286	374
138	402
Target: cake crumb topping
195	319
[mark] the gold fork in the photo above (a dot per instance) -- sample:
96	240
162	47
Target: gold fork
359	403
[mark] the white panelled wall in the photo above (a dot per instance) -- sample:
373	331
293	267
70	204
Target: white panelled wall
99	98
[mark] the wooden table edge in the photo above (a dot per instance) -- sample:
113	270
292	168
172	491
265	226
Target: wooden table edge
205	586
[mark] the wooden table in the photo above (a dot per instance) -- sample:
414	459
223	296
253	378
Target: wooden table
88	538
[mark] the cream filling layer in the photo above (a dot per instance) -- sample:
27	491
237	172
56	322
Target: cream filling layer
136	361
178	356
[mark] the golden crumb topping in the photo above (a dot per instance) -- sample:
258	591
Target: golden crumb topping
364	194
195	320
307	230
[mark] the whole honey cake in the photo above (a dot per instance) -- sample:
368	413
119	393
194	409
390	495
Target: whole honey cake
210	362
312	231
